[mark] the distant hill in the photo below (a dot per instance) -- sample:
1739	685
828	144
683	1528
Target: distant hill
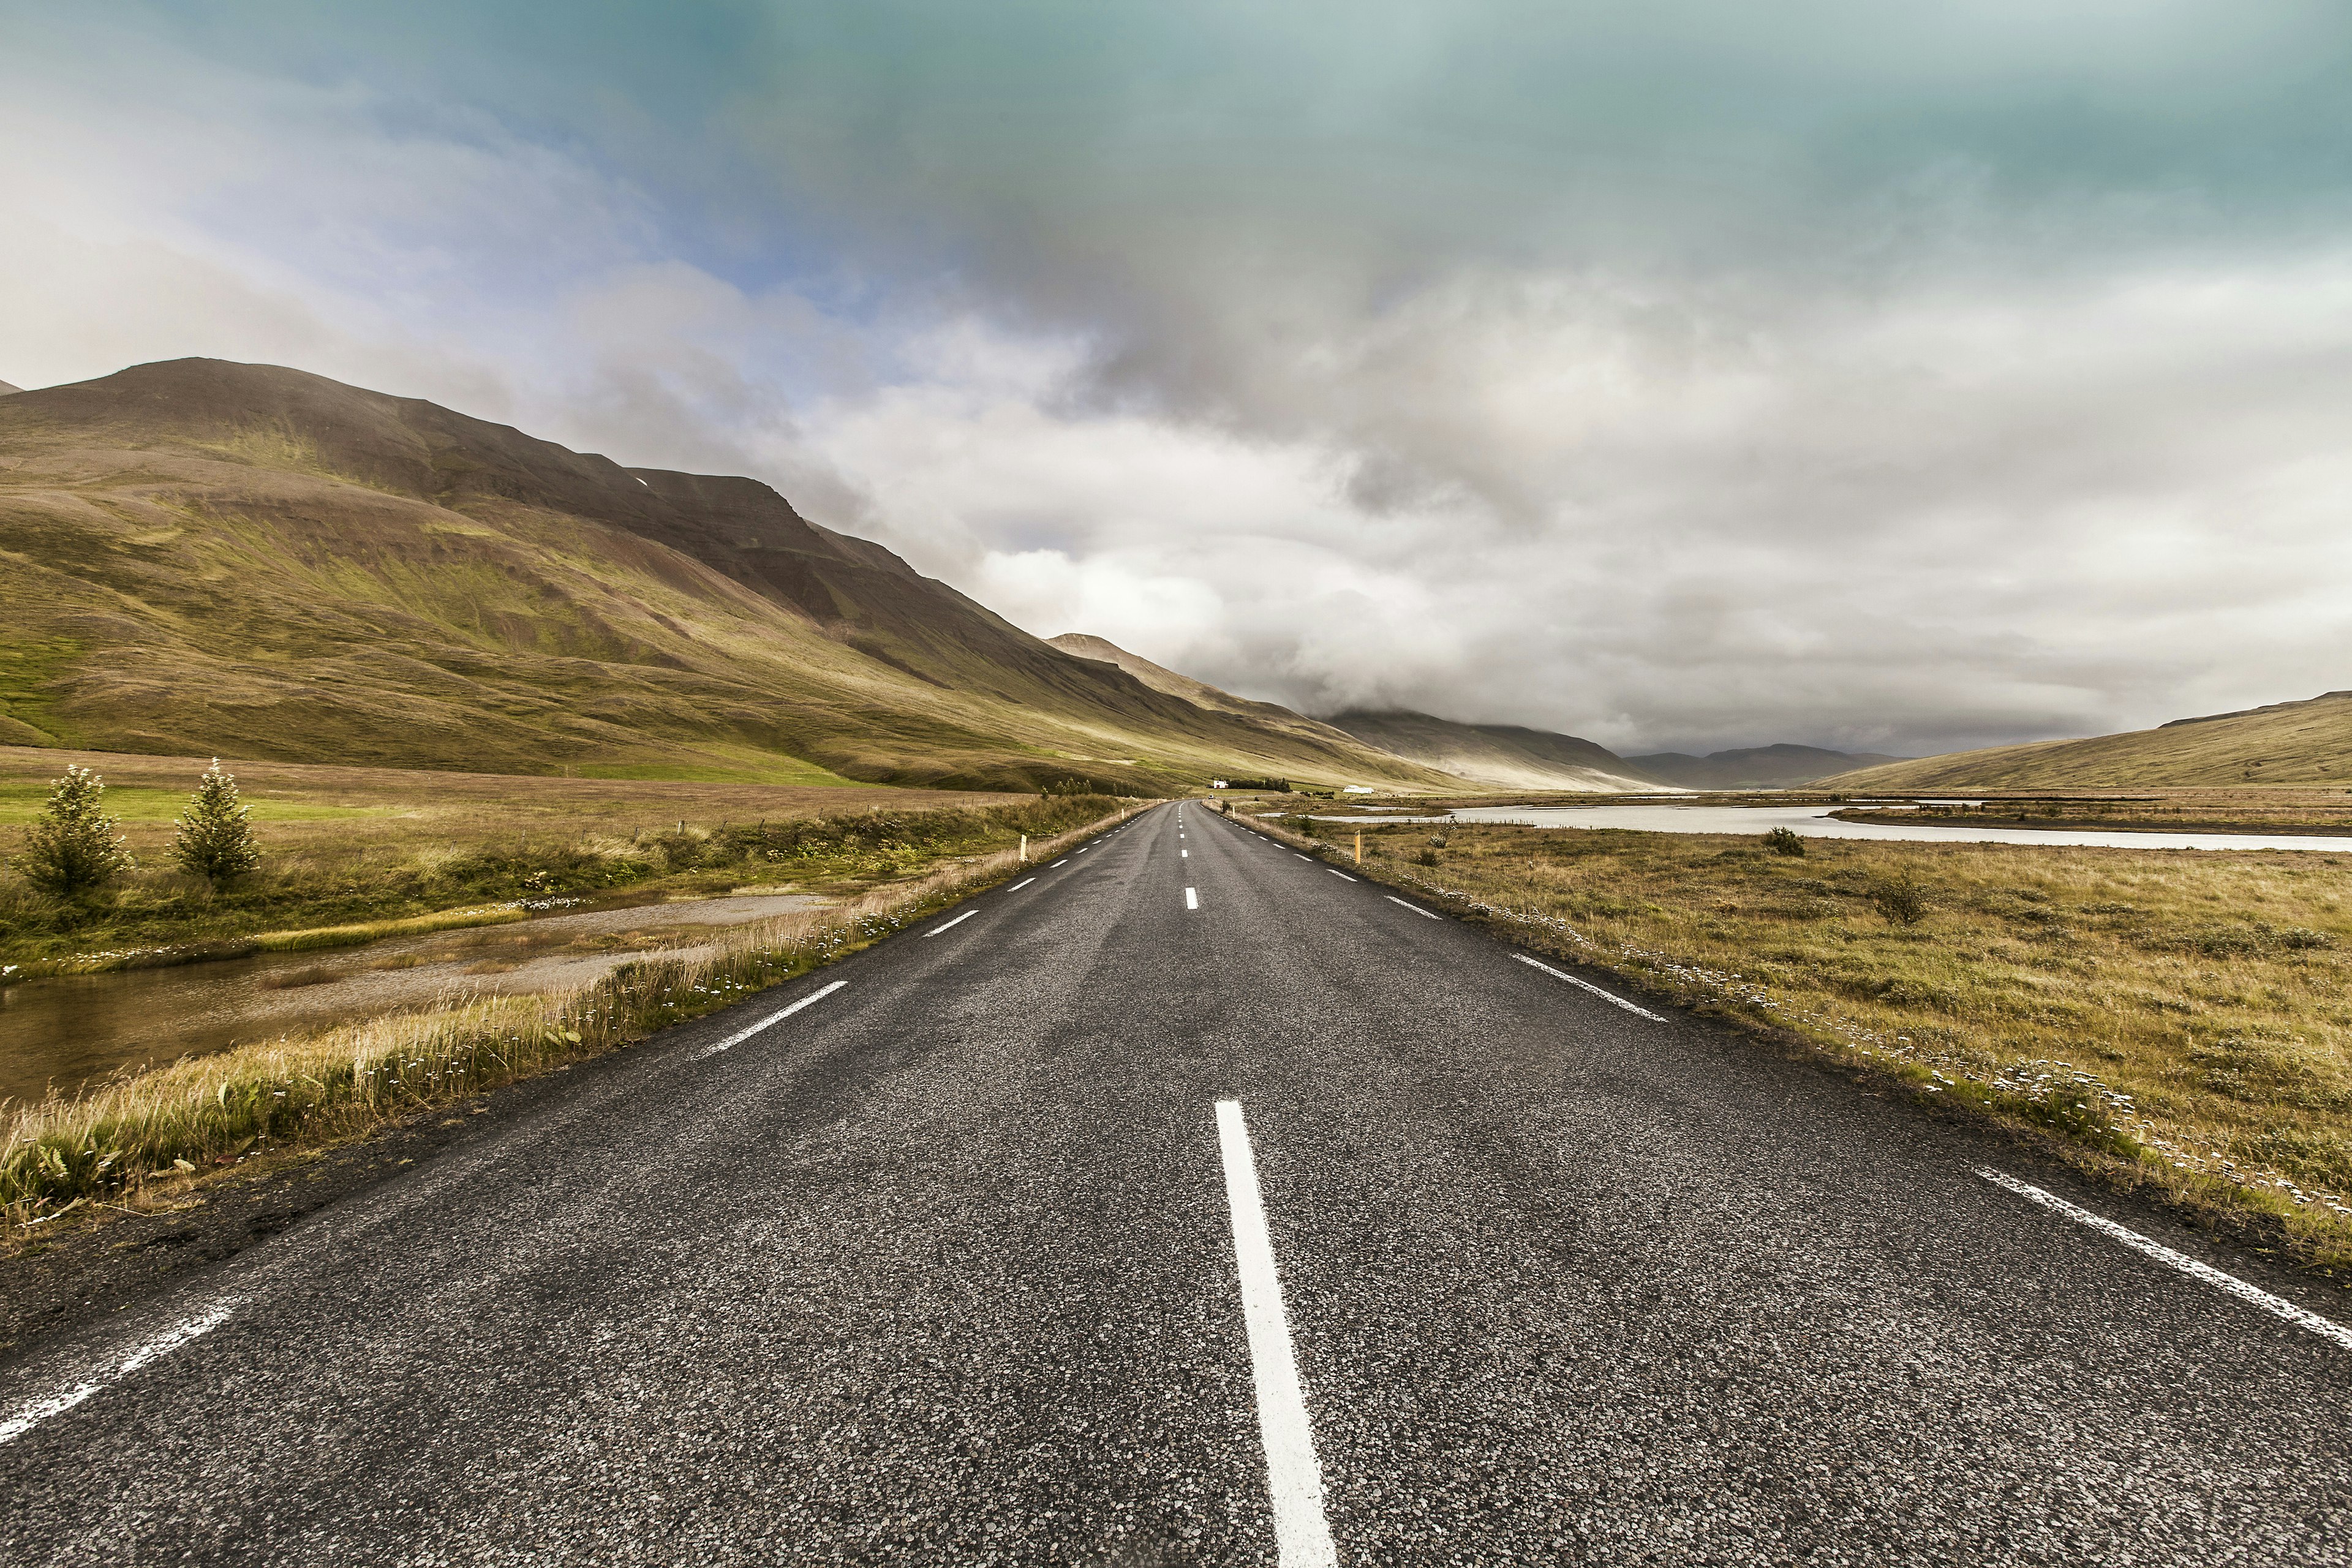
1201	694
1752	767
1339	749
6	389
1505	755
2303	742
199	555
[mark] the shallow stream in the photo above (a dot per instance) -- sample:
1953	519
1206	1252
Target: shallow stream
73	1029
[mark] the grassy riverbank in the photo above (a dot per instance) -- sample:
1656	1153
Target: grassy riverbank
147	1140
352	854
2182	1020
2180	811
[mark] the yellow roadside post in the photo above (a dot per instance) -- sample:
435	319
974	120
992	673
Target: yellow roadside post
1359	846
1024	849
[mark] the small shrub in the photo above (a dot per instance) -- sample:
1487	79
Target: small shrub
1426	857
75	846
1901	898
684	849
1785	841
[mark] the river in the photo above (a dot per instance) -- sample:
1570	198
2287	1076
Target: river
1815	822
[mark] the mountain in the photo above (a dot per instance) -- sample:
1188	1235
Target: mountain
1312	732
198	555
2302	742
1752	767
1499	754
6	389
1200	693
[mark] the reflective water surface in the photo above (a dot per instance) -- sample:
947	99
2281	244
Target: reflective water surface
1815	822
79	1028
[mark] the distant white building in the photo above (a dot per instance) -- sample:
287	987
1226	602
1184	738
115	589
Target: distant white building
1219	783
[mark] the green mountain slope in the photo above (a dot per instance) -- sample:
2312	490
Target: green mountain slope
2305	743
1504	755
1752	767
199	555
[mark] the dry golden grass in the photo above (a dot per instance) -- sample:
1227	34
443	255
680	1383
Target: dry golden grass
2184	1016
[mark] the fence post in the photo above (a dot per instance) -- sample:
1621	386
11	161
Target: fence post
1024	849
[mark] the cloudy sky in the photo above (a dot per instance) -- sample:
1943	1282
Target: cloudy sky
1687	374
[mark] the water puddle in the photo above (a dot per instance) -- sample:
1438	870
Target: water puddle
73	1029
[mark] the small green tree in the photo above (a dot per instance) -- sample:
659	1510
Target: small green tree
214	839
1784	841
75	844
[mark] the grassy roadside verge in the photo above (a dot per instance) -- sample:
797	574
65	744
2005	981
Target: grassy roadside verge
2177	1023
344	849
147	1140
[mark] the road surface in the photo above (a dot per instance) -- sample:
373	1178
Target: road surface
1190	1202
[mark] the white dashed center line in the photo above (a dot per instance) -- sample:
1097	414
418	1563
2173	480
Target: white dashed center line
1192	899
740	1035
1301	1537
31	1415
1416	909
2253	1295
1588	985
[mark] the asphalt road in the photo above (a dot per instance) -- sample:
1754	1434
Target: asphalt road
944	1267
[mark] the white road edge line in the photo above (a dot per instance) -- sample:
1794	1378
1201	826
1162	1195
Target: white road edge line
1018	885
2251	1294
1064	859
1416	909
1588	985
740	1035
1337	872
1302	1538
31	1415
1300	857
1192	899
